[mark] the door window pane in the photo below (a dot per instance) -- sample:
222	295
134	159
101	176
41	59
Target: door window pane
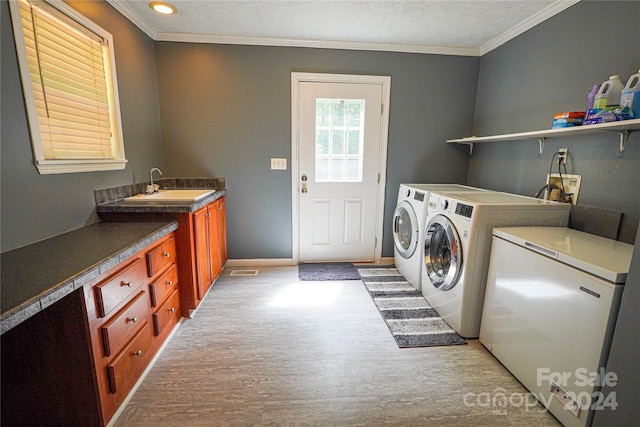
337	169
322	141
339	139
338	112
337	143
355	142
322	169
323	113
355	112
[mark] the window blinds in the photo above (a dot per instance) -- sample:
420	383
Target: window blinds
68	66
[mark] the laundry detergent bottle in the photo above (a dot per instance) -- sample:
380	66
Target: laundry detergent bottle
630	96
609	93
591	96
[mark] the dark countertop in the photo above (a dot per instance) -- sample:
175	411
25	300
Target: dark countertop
38	275
157	207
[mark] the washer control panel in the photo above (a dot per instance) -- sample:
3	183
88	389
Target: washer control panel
464	210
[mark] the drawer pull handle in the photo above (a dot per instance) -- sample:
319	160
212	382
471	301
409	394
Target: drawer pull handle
132	319
169	282
167	254
138	353
171	310
128	284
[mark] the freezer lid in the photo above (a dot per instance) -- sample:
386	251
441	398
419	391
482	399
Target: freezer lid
605	258
497	198
449	188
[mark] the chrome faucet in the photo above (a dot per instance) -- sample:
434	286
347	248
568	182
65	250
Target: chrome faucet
153	188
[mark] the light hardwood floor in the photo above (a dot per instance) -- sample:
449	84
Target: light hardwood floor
270	350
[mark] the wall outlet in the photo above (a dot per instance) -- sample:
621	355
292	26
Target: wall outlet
279	163
562	157
571	187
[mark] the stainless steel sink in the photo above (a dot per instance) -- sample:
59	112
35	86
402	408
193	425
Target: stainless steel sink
170	197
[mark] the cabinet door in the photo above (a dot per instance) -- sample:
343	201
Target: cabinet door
216	265
222	231
201	242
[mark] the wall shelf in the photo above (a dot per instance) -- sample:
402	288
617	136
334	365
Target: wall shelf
622	128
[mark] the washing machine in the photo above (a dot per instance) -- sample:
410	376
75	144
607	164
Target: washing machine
409	220
457	246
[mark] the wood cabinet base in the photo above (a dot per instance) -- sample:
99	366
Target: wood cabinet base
47	369
75	362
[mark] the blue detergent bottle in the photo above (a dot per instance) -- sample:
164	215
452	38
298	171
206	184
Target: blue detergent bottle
630	96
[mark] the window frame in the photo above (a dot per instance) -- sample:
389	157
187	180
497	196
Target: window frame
59	166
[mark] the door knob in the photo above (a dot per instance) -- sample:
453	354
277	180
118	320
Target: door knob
304	178
304	189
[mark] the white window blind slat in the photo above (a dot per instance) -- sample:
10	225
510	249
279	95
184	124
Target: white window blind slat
56	68
78	103
84	57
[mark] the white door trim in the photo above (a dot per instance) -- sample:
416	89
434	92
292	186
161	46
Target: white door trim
296	79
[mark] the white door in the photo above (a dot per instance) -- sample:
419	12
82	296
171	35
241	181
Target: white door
341	146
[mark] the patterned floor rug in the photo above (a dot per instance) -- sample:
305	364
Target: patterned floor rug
410	318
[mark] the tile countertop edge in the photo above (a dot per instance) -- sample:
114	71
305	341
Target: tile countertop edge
128	207
44	299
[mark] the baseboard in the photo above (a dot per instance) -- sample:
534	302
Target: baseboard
271	262
278	262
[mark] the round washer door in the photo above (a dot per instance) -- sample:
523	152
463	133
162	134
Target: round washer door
442	253
405	229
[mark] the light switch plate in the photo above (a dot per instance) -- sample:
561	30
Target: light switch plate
279	163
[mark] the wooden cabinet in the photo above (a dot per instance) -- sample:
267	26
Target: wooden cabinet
166	284
222	230
126	300
203	243
210	247
200	243
75	362
122	326
111	292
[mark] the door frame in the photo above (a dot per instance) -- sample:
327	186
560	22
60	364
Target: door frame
385	82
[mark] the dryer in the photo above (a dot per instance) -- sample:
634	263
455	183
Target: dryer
457	246
409	220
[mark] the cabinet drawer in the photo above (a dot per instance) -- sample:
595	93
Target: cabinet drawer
161	256
121	327
120	286
162	287
128	365
167	314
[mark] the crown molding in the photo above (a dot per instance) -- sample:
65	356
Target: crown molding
317	44
526	25
132	16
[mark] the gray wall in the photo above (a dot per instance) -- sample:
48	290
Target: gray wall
623	359
550	69
36	207
227	109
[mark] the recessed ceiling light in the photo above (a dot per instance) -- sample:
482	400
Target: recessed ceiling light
163	7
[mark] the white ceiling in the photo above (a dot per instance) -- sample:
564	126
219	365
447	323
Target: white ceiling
471	27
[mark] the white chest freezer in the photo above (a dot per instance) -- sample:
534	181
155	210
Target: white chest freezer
550	308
